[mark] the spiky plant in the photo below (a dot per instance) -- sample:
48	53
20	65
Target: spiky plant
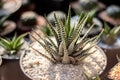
14	45
69	48
110	35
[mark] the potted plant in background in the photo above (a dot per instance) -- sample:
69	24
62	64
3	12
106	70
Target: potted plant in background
111	15
64	56
12	48
91	20
8	7
29	20
7	27
110	37
87	5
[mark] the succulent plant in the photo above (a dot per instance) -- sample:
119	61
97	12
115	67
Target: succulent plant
13	45
28	18
69	48
113	11
88	4
110	35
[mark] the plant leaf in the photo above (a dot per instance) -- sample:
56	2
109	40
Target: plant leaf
18	40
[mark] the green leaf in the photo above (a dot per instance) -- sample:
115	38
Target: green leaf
5	43
91	15
18	40
52	30
78	28
4	46
14	38
87	33
67	22
115	30
106	28
51	59
18	46
58	27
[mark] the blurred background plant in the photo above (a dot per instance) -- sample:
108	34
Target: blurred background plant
110	35
12	46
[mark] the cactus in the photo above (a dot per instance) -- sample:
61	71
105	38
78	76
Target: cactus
113	11
28	18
